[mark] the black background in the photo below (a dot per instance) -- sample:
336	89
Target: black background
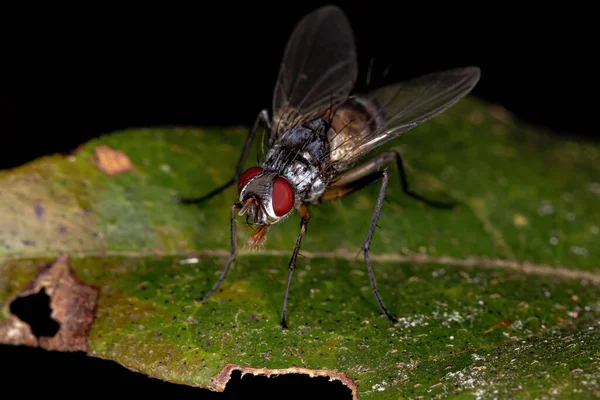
71	74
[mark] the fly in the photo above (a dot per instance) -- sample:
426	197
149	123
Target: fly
320	130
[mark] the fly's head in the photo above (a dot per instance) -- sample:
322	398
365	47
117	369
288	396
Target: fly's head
266	198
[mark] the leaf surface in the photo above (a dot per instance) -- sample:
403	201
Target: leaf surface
498	297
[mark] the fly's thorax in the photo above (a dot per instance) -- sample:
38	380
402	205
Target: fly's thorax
299	156
353	120
308	140
266	196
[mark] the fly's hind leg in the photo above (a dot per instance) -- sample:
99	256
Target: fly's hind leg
408	190
350	182
263	117
340	187
362	176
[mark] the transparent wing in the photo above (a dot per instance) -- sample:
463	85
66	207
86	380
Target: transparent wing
319	68
400	107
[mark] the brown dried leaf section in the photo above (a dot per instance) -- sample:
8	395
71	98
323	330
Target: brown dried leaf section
112	162
220	381
73	305
15	332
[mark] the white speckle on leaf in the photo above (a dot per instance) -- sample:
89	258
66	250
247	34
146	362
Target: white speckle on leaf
545	209
446	318
594	188
415	320
438	272
468	378
580	251
517	324
594	229
570	216
453	316
380	387
192	260
553	241
165	168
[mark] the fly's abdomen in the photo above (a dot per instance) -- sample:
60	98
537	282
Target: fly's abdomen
354	121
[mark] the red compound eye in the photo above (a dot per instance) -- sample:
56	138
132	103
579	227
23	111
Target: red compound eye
283	196
246	176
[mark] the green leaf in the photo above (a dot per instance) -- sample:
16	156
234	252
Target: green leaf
498	297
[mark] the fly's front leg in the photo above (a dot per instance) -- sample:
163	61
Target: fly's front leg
304	217
231	254
263	117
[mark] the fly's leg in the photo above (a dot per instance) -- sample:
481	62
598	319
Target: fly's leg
231	255
362	176
377	163
367	243
304	217
263	117
350	182
410	192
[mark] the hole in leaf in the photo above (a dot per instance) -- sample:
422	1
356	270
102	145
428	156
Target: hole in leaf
285	386
107	377
35	310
